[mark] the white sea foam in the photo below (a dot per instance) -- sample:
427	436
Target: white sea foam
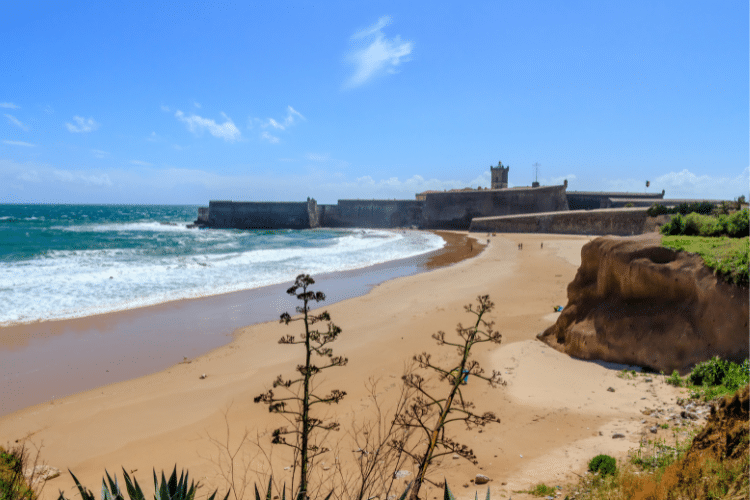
76	283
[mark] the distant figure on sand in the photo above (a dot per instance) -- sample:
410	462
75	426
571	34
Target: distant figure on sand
542	244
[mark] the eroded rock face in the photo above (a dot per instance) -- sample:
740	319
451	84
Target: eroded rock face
636	302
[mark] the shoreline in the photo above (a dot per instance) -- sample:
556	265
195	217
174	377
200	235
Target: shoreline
556	412
50	359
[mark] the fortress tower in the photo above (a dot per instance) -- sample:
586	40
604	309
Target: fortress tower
499	176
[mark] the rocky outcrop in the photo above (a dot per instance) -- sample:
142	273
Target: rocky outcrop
636	302
726	432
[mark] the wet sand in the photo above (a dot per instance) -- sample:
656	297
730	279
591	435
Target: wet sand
51	359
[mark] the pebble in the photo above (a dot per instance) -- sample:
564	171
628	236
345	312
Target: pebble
649	379
481	479
618	435
401	473
654	429
202	376
611	389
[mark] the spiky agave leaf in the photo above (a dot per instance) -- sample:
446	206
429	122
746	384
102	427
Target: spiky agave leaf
488	493
268	493
114	487
134	491
216	491
172	484
85	493
447	494
406	491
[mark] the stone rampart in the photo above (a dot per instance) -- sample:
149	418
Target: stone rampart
616	221
258	215
455	210
372	214
592	200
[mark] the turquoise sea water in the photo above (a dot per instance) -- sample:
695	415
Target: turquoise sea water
64	261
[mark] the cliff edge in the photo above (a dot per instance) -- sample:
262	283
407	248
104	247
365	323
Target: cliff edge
636	302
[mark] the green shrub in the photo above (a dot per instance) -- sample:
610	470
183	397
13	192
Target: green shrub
709	372
699	224
604	465
737	224
719	372
657	209
736	375
674	379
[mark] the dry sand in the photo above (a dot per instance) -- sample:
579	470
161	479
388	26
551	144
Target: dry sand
556	411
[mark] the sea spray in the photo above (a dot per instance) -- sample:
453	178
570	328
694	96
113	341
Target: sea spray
65	261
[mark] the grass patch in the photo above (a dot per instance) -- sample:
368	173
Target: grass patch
540	490
728	257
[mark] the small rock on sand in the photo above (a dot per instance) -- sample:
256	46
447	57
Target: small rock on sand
481	479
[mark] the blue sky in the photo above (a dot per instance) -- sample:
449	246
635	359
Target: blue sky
177	102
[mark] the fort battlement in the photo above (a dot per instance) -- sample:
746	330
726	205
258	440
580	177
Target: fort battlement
460	209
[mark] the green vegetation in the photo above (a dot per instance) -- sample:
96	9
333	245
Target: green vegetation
627	374
701	207
713	378
14	485
603	464
716	378
695	224
728	257
541	490
658	471
431	413
674	379
300	398
173	489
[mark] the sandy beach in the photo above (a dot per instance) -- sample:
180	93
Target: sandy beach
556	412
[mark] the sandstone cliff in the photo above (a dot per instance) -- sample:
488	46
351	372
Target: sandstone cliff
636	302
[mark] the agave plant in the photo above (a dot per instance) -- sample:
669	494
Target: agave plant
173	489
448	494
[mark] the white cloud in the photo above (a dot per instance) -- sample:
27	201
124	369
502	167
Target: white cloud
9	105
15	121
140	163
78	177
29	176
368	187
82	125
165	108
686	184
377	54
558	181
197	104
98	153
316	157
689	185
153	137
19	143
270	138
197	124
291	118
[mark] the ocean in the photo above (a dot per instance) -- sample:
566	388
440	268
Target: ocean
69	261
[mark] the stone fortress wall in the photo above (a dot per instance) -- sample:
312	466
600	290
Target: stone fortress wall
500	209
